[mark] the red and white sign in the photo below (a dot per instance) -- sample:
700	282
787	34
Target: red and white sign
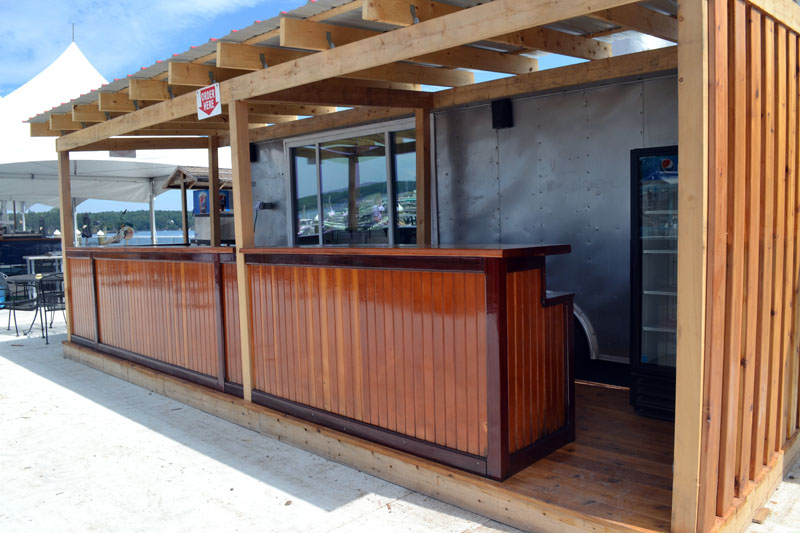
209	103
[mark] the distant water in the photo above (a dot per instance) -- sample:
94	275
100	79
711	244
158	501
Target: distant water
143	238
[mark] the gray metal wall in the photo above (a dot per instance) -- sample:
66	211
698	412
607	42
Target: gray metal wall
270	184
560	175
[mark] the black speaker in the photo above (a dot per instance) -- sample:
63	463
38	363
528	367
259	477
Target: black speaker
253	152
502	115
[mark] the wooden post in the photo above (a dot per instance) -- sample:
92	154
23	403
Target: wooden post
423	125
243	224
692	227
213	189
67	230
184	213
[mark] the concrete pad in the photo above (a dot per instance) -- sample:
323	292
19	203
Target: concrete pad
82	451
785	506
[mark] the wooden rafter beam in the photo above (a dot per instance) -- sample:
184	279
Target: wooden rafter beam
249	57
197	75
115	102
353	5
146	144
341	119
308	35
90	113
64	122
470	25
557	42
288	109
641	19
398	12
583	74
625	67
42	129
153	90
342	93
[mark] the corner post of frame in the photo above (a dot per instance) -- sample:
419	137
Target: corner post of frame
693	141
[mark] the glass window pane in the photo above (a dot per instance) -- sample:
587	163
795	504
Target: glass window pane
354	191
405	171
304	160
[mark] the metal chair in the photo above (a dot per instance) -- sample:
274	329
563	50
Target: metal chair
19	298
50	291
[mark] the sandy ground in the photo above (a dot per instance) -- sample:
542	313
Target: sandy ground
84	451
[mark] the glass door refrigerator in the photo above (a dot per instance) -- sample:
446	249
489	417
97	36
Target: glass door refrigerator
654	277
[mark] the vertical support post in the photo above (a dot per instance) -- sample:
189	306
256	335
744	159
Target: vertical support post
497	366
24	226
184	213
423	127
67	229
213	189
243	224
14	207
692	235
153	237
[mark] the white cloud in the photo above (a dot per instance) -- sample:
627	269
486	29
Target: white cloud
117	36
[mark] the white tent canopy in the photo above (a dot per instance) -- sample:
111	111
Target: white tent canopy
37	181
28	169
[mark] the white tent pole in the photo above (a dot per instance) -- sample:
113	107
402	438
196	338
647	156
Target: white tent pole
24	227
153	238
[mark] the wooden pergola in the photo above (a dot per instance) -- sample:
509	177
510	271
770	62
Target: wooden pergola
737	372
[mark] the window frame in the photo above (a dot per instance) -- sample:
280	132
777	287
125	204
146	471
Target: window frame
316	139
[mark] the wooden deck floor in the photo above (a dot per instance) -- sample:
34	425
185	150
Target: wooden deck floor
619	468
616	476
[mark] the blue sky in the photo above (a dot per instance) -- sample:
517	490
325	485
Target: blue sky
121	36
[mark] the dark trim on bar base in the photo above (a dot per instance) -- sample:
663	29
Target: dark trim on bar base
234	389
380	262
220	323
155	364
428	450
497	369
93	269
132	255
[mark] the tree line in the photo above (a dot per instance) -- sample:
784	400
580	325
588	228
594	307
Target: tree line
109	220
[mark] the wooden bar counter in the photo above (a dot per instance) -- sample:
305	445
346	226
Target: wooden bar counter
173	309
453	354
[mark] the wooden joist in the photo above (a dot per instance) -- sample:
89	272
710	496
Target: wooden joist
582	74
398	12
148	90
42	129
196	75
89	113
297	33
249	57
115	102
64	122
471	25
343	93
641	19
176	143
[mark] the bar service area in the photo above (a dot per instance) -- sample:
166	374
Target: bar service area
553	257
476	286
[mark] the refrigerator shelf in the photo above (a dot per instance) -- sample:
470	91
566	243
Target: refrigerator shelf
659	330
